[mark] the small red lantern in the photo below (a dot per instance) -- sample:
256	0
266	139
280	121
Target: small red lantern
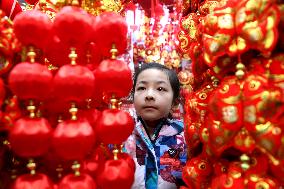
73	139
30	181
114	78
114	126
82	181
116	173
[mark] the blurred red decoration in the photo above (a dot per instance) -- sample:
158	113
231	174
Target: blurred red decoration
110	29
73	83
2	92
71	181
30	137
30	81
73	139
116	173
114	126
29	181
73	26
33	22
111	72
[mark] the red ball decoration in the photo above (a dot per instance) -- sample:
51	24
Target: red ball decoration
32	28
72	181
73	83
30	81
30	137
110	28
116	174
114	126
29	181
73	139
114	77
73	26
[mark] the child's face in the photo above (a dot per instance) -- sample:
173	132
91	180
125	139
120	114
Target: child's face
153	95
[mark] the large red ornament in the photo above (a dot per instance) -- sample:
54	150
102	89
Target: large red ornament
73	83
33	22
110	29
30	81
116	173
111	72
73	26
114	126
29	181
73	139
30	137
72	181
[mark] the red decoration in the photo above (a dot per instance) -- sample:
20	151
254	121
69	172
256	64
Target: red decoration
72	181
7	7
114	126
116	173
73	26
111	72
73	139
28	181
30	81
2	92
110	28
30	137
32	22
73	83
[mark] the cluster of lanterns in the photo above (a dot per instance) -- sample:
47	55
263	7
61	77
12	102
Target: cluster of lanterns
71	70
234	117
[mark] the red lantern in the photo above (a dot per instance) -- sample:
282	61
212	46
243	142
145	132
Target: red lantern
114	126
110	28
114	77
32	22
30	81
73	139
29	181
73	26
30	137
116	173
73	83
72	181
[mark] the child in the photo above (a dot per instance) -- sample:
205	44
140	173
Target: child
157	144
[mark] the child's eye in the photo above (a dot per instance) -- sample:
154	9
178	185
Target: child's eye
140	88
162	89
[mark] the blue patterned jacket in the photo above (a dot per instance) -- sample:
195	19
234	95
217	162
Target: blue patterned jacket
159	161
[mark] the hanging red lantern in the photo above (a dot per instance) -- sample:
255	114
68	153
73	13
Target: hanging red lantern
116	173
30	81
73	139
29	181
111	72
110	28
33	22
114	126
30	137
72	181
73	26
73	83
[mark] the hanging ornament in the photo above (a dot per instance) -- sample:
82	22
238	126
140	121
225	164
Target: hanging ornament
33	22
113	71
110	29
73	83
73	26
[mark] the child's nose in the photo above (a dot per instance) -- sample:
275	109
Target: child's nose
149	95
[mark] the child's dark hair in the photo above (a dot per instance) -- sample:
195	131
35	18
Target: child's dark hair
173	78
